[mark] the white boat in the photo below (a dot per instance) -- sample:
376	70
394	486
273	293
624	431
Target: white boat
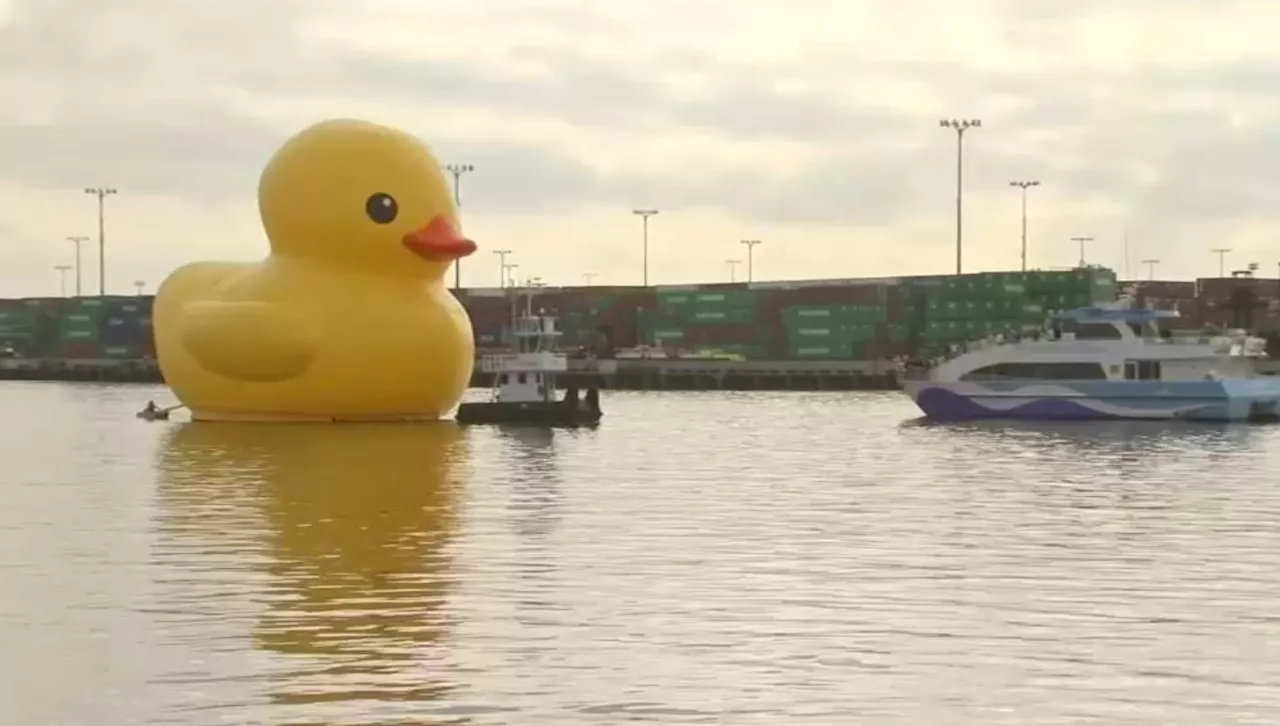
1114	362
525	387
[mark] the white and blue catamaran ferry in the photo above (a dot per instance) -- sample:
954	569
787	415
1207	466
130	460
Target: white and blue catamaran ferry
1114	362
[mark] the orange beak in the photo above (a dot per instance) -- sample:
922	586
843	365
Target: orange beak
439	241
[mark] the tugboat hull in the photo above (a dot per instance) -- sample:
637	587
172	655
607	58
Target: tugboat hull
535	413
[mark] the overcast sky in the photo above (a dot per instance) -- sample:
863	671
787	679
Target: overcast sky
815	131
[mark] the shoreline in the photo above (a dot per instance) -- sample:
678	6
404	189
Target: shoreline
624	374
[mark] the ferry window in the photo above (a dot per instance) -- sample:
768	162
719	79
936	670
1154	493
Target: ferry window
503	378
1142	370
522	378
1137	329
1097	331
1041	371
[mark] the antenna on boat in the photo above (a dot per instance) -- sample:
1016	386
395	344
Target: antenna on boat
1125	234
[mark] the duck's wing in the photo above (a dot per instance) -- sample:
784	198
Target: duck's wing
249	341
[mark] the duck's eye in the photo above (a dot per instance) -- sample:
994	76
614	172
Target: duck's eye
382	208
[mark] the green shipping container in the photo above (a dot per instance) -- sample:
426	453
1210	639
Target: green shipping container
122	351
815	314
674	299
16	332
131	307
843	351
83	318
722	315
25	322
943	330
861	333
834	314
830	335
815	333
867	314
78	334
667	334
939	309
737	298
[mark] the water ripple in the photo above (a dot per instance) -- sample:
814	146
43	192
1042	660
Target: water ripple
699	558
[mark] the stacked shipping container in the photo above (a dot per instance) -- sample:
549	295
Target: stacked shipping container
105	327
1239	302
721	320
941	311
87	327
29	326
821	319
832	331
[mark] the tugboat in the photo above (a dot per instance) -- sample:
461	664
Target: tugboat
524	389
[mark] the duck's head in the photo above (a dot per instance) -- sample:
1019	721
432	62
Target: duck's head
361	196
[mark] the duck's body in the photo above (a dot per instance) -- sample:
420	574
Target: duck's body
331	329
251	350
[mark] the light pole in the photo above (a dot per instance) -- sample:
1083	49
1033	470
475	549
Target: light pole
588	276
502	266
751	249
77	241
1221	252
1081	241
101	193
62	278
138	285
1024	185
511	275
457	170
733	269
1151	268
960	126
645	214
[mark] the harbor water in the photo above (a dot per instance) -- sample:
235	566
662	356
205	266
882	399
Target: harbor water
705	558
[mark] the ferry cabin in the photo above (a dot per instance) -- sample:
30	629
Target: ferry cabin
1097	344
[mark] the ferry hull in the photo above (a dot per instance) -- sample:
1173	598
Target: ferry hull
1244	400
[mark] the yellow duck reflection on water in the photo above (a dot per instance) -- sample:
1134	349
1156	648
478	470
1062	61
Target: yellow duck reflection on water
358	519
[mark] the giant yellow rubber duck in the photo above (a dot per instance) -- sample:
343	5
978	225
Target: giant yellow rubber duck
347	318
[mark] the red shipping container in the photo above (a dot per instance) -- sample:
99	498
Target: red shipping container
78	350
1163	289
886	350
895	309
647	300
489	313
1221	288
771	304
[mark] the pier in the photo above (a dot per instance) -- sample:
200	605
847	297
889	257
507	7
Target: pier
723	375
625	375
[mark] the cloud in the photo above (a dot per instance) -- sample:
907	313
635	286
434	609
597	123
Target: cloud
1154	115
